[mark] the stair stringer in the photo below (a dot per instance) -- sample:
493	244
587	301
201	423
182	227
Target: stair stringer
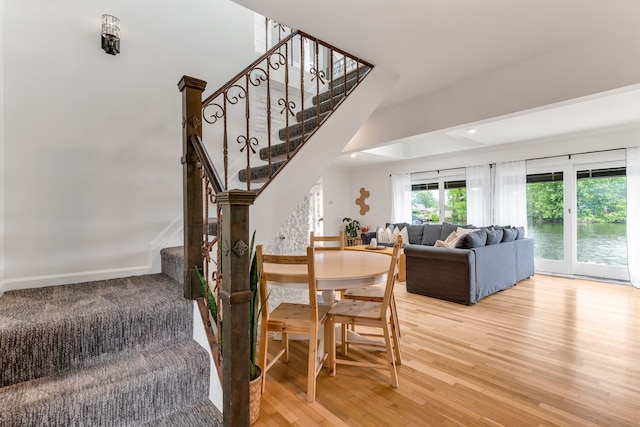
276	202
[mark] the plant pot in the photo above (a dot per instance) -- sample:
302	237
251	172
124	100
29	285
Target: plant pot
255	394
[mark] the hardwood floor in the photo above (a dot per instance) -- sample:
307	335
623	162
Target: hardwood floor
548	352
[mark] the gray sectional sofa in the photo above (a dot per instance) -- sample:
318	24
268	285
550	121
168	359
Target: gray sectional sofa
464	275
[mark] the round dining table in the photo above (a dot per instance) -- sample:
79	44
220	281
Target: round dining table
339	270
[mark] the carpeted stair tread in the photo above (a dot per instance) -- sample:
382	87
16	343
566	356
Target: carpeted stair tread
54	329
137	388
201	414
360	74
325	107
260	174
279	151
296	129
172	263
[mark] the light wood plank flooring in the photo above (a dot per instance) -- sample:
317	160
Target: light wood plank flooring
548	352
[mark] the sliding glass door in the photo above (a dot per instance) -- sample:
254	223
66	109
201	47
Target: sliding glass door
601	216
546	196
577	215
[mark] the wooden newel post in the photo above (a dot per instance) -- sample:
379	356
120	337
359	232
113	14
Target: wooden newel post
192	203
236	295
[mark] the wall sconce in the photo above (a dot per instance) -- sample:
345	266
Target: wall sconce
110	34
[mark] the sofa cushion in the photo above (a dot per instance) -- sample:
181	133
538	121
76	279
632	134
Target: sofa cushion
510	234
415	234
520	233
431	234
447	229
494	236
477	239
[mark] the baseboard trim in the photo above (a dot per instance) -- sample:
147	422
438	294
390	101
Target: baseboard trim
68	278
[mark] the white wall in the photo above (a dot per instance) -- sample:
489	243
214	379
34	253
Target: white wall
337	199
92	142
377	181
608	61
2	156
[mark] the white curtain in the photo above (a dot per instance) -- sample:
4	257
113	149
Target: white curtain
401	198
478	180
511	194
633	214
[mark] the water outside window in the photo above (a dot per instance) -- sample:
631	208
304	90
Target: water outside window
545	214
601	216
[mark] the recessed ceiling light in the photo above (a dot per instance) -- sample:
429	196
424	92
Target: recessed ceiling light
353	155
472	131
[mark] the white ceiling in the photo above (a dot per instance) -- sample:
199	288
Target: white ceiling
433	44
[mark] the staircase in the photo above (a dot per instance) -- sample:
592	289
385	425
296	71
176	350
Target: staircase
108	353
307	122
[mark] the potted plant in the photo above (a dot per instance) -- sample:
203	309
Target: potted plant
255	373
352	227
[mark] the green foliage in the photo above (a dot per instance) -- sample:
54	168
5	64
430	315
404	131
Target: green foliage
599	200
424	198
602	200
254	309
457	204
208	295
545	201
352	227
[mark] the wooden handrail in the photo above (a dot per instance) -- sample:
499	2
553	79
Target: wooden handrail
207	164
255	63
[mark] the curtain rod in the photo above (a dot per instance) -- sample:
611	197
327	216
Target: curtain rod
526	160
575	154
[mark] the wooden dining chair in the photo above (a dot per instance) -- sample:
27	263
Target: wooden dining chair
339	241
291	318
376	294
373	315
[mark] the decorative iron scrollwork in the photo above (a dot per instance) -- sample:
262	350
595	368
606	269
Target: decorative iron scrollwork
218	113
235	98
280	60
318	74
256	76
289	106
248	143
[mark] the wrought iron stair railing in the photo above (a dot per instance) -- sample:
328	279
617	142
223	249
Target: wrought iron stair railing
256	123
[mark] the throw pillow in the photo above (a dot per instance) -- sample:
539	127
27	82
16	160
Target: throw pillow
404	233
510	234
453	241
494	236
383	235
520	233
477	239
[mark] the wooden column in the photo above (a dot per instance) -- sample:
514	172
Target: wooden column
236	295
192	198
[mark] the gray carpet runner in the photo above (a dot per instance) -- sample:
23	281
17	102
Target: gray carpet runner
107	353
322	106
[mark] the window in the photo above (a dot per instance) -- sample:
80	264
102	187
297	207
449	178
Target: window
437	199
